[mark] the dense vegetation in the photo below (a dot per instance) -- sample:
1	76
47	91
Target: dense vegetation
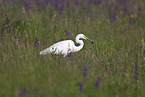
113	66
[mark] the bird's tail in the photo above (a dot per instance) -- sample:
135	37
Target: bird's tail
44	52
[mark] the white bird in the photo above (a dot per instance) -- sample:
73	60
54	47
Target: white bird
65	47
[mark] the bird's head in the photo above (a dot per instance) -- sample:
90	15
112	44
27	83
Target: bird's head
84	37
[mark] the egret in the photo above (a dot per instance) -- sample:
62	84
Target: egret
67	46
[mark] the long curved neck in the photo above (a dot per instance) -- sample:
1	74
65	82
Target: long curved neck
78	48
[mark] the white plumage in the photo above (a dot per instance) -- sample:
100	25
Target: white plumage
65	47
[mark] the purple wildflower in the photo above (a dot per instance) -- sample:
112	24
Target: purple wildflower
84	73
22	92
135	73
14	32
2	31
56	4
28	4
100	1
97	2
36	44
66	33
76	3
60	9
139	11
97	82
19	38
80	84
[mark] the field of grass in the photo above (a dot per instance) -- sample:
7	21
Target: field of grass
114	66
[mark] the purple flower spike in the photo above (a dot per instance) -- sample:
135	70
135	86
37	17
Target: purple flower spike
76	3
14	32
2	31
66	33
28	4
36	44
139	11
80	84
22	92
19	38
84	73
97	82
100	1
135	73
56	2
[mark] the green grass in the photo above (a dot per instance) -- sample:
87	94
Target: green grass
112	57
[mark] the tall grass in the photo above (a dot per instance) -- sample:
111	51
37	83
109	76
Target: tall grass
116	57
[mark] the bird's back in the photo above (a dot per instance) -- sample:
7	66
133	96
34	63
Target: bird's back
61	47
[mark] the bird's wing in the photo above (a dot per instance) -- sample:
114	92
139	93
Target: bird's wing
62	47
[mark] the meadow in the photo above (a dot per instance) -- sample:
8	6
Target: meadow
114	66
